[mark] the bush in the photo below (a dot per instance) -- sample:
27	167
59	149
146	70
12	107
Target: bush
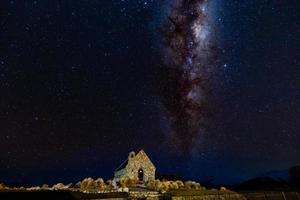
192	185
173	185
87	184
109	184
61	186
35	188
128	181
164	185
2	186
180	184
223	189
100	184
151	184
45	187
91	184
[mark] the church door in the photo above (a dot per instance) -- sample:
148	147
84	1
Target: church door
141	174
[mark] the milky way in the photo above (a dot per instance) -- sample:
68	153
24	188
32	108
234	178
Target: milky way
189	61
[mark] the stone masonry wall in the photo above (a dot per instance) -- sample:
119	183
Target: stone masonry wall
210	197
141	161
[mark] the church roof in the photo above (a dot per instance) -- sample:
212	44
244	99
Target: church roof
143	152
124	164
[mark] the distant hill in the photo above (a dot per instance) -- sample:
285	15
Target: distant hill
264	183
277	174
295	176
274	180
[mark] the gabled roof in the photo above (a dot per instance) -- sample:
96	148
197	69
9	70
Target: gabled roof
123	165
143	152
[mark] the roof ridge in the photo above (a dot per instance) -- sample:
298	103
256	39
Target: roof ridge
121	166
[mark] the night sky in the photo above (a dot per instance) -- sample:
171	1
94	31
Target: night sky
209	89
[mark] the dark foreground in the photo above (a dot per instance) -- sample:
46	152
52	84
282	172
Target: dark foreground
58	195
72	195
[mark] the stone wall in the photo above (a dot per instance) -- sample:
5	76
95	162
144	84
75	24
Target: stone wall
145	195
134	164
211	197
141	161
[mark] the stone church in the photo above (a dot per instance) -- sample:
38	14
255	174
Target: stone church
137	166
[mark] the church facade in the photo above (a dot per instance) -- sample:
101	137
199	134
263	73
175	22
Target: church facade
137	166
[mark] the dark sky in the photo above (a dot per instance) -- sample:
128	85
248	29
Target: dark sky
80	87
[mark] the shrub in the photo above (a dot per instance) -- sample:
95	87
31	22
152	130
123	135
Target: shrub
173	185
109	184
2	186
85	183
192	185
128	181
223	189
34	188
180	184
91	184
45	187
61	186
100	184
164	185
151	184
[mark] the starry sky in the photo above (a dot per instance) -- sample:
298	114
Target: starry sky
209	89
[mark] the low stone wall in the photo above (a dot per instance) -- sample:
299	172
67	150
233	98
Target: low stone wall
145	195
243	196
211	197
272	196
